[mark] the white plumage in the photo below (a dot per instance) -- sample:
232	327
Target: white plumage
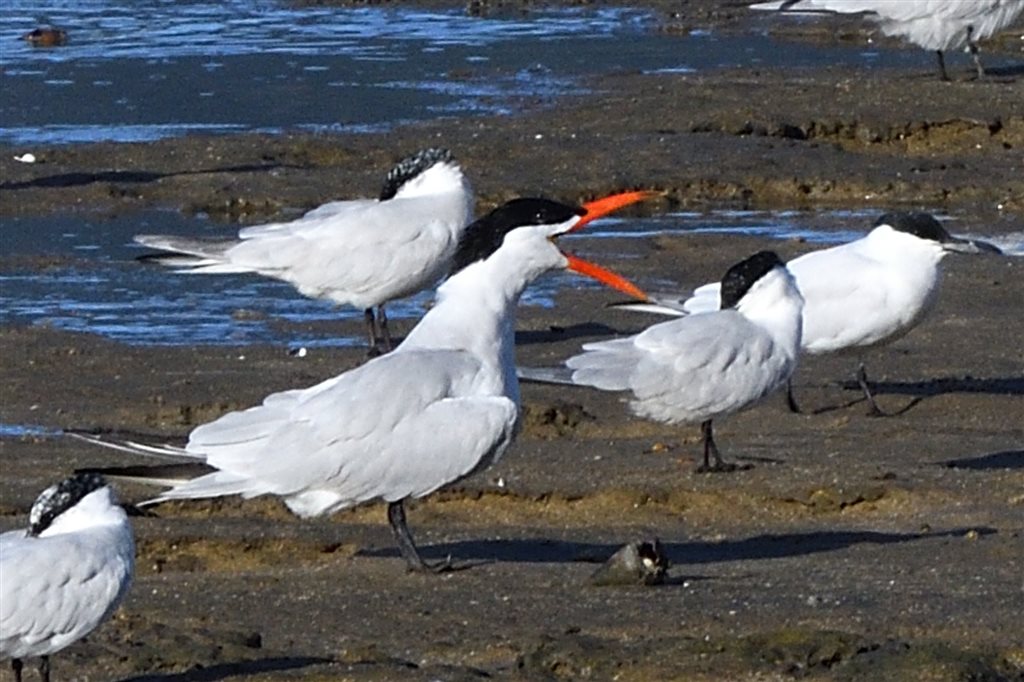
61	579
938	25
700	367
362	252
868	292
382	430
442	405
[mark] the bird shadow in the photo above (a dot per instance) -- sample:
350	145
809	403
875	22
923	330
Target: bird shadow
1010	71
922	390
1007	459
857	401
223	671
558	333
555	333
766	546
131	177
934	387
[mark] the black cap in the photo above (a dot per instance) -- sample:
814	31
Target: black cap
410	167
60	497
740	277
485	235
921	225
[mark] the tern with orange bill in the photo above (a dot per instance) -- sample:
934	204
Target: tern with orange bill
442	406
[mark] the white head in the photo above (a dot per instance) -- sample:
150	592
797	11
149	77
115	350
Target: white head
81	501
763	290
425	173
761	276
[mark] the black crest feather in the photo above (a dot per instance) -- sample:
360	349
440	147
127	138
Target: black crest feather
740	277
485	235
921	225
411	166
60	497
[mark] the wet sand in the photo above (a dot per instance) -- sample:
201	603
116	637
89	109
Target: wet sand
854	548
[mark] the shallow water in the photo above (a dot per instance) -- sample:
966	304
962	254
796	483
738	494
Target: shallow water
78	272
156	69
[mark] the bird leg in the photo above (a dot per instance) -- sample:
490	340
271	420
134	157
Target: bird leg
396	517
942	66
371	332
973	49
16	666
44	669
862	379
385	333
711	450
377	331
790	400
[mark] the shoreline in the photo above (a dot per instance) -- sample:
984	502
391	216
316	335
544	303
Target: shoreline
855	548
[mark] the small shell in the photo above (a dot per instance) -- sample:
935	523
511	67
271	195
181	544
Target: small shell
636	563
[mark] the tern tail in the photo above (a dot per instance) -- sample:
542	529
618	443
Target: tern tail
546	375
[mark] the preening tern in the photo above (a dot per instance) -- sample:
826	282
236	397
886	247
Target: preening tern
361	252
865	293
701	367
65	575
938	25
441	406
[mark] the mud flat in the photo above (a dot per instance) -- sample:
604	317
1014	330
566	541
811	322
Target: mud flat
855	548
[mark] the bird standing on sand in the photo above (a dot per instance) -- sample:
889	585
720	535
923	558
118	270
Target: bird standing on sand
938	25
362	252
441	406
868	292
701	367
65	575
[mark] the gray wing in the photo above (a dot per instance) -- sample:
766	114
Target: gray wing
689	369
55	590
401	425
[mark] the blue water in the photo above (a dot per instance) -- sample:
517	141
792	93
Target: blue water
90	280
156	68
27	431
150	69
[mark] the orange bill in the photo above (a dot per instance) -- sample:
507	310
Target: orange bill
604	206
606	277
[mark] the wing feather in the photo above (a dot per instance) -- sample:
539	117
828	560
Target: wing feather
55	590
384	429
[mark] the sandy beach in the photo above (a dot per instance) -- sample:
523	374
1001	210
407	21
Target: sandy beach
852	548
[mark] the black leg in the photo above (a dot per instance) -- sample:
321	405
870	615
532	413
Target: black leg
711	451
16	666
862	379
942	66
973	47
44	669
371	327
371	333
382	318
396	517
790	400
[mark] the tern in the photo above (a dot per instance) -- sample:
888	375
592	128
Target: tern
65	575
441	406
938	25
697	368
361	252
865	293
